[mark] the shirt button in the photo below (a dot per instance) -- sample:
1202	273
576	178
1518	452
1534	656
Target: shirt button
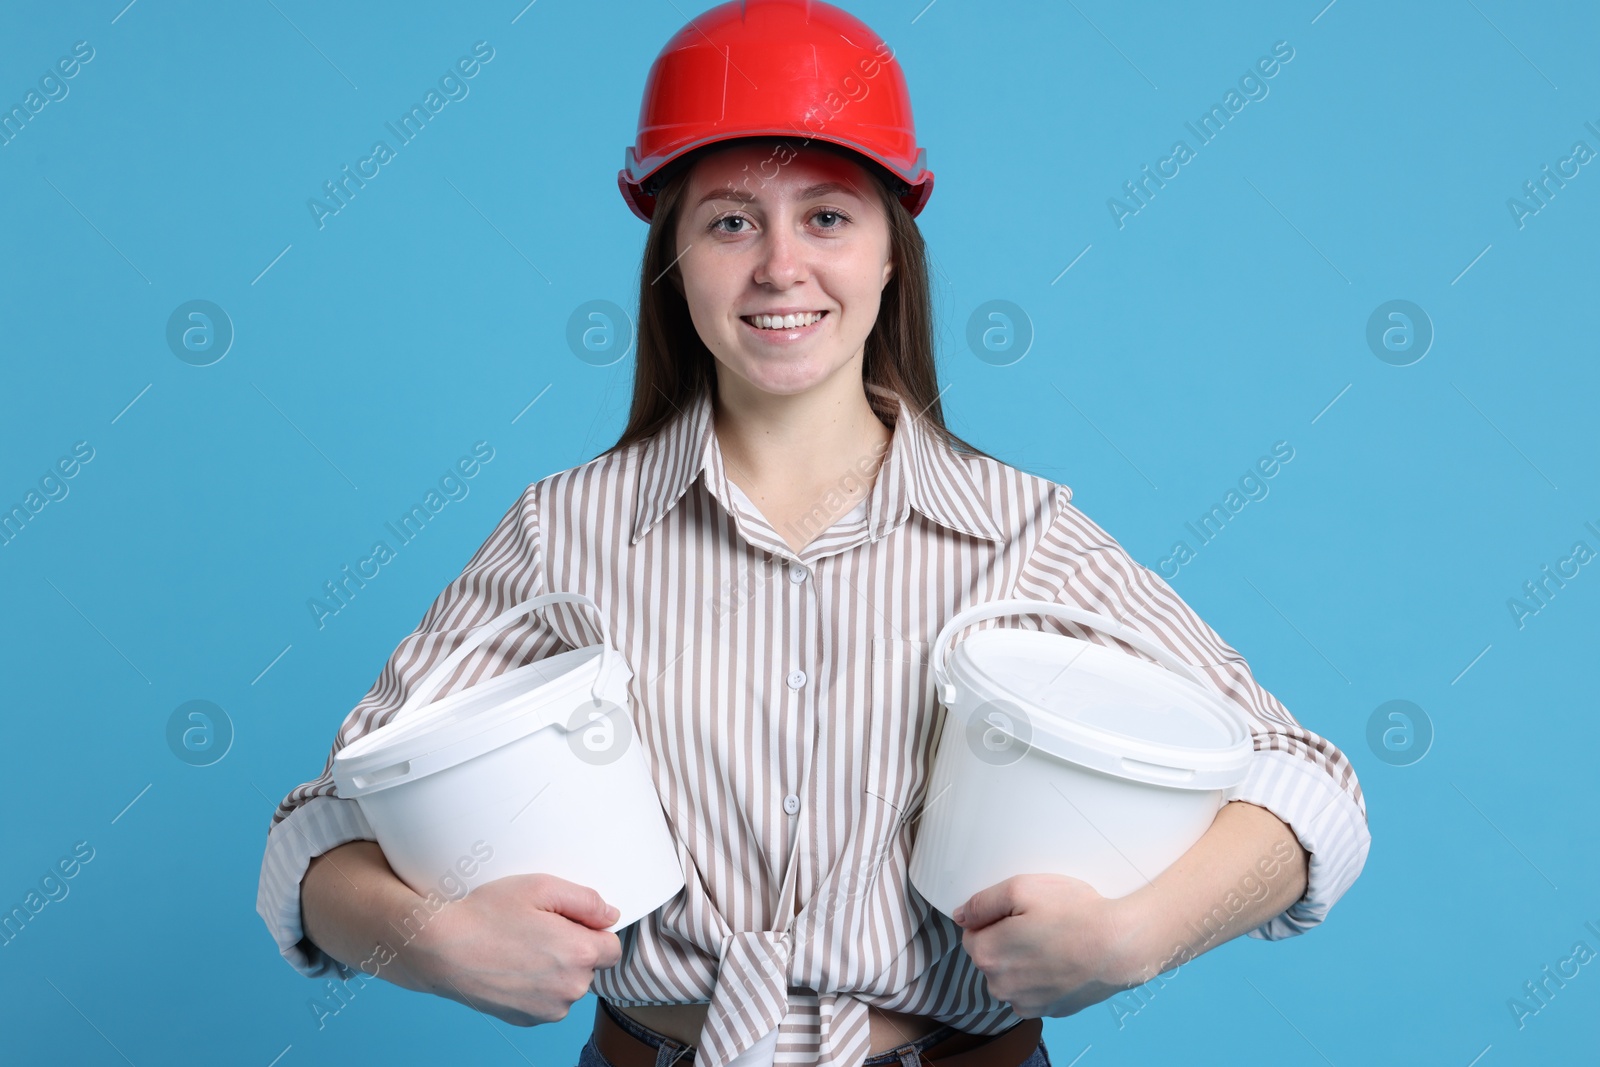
791	803
796	679
797	573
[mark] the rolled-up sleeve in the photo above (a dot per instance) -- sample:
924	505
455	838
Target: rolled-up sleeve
310	829
1299	776
312	819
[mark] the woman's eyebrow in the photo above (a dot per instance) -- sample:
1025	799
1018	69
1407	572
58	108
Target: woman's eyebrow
810	192
727	192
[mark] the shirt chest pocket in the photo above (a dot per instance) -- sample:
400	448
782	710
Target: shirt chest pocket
902	717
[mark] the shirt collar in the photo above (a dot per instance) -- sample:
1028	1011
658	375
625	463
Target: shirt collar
921	472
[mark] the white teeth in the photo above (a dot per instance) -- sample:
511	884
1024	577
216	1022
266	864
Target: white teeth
783	322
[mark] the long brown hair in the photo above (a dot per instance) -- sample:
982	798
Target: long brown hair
673	367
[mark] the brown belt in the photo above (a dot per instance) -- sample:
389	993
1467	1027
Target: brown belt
960	1049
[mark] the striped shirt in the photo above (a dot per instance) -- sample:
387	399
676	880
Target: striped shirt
787	715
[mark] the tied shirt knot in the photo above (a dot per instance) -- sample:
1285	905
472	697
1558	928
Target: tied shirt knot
751	997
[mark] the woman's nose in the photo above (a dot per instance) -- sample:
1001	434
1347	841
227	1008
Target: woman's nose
781	254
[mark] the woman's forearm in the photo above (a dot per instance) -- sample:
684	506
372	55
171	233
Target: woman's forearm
357	910
1247	868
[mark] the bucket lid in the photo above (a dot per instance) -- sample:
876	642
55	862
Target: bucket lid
1101	708
465	724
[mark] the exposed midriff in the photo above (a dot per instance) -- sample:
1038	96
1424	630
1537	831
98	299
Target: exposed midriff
682	1023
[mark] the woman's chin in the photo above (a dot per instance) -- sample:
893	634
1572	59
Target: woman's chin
783	375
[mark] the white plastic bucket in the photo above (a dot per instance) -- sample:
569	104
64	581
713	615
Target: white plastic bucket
1062	756
535	771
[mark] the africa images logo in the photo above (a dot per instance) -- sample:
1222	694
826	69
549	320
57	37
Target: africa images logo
452	87
1253	87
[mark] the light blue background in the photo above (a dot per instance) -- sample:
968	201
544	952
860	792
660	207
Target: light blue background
1226	315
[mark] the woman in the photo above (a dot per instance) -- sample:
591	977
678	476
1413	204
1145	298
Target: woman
782	527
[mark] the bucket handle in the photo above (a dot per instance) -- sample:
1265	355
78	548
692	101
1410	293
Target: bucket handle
434	679
1105	624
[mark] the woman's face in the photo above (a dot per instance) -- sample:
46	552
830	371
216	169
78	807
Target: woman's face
767	231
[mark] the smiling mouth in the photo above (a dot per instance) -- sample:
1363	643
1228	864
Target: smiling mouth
784	322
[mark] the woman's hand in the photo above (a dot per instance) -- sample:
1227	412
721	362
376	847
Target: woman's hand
523	948
1047	944
1051	945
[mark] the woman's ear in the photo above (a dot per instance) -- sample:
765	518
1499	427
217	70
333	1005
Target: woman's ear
888	272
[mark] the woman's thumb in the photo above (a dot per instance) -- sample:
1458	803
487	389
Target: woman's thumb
582	904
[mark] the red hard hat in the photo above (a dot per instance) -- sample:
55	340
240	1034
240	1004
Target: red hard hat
785	68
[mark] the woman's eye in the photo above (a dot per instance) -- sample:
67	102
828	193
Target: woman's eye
832	220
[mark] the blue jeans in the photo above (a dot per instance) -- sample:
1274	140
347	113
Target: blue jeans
670	1053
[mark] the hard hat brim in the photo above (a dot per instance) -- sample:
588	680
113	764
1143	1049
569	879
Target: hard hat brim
641	181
